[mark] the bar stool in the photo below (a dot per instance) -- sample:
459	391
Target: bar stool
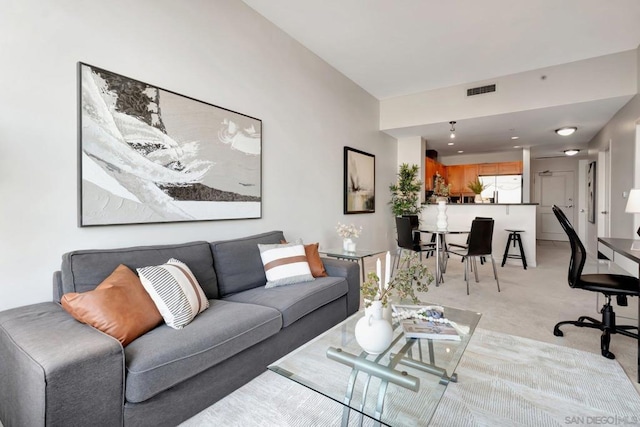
514	236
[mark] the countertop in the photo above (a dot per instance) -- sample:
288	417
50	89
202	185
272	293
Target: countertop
485	204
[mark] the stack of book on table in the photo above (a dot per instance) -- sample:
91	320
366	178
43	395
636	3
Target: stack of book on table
425	322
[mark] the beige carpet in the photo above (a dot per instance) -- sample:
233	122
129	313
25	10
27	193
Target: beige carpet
503	381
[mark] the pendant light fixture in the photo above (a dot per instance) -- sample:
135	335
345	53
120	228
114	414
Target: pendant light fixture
453	129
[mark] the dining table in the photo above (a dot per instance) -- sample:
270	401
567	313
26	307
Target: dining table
441	245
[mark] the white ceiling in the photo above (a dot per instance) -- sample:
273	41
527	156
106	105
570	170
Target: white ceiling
399	47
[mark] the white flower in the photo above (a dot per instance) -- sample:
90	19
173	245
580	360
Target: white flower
350	230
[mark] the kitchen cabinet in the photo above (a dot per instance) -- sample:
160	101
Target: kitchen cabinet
470	174
455	177
431	168
501	168
509	168
488	169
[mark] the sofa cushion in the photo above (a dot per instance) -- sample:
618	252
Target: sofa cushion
285	264
175	291
165	357
83	270
119	306
297	300
238	264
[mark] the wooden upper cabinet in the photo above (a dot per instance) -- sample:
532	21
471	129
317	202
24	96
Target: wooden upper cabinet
488	169
502	168
431	167
470	174
455	177
509	168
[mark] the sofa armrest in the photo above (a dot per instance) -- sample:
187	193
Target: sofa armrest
350	271
55	370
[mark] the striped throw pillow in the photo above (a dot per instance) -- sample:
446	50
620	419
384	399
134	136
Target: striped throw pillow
175	291
285	264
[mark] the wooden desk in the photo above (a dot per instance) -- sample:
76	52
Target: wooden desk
623	247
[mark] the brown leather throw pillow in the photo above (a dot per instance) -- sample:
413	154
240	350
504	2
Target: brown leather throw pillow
119	306
313	258
315	262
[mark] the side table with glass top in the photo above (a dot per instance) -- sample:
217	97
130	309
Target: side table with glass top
400	387
355	256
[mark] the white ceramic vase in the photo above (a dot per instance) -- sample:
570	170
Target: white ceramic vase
373	333
477	199
441	219
348	245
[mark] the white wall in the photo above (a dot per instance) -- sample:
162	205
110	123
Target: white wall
621	130
218	51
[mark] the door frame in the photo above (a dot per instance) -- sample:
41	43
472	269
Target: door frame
603	188
582	197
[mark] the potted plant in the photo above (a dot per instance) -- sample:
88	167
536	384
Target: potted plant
440	189
348	233
476	186
412	277
405	194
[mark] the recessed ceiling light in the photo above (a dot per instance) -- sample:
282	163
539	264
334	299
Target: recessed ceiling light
451	143
571	152
460	151
516	146
566	131
515	137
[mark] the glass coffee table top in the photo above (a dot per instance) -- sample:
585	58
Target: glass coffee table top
400	387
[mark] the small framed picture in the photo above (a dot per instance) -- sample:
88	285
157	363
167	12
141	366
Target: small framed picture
359	181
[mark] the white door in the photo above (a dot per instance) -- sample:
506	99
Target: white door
553	188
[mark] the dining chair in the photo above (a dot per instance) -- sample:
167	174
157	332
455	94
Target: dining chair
406	240
417	235
618	285
480	242
464	246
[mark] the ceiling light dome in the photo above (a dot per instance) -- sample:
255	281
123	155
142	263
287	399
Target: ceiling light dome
571	152
566	131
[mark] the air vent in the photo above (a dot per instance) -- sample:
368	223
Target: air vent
480	90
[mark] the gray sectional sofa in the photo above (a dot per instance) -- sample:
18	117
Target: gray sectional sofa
55	370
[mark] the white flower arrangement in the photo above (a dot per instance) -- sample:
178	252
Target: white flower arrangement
350	230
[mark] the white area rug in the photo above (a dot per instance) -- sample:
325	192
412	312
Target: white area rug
503	381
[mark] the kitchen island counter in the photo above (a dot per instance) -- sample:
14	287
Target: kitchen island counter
515	216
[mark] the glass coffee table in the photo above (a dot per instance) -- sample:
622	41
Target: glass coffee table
400	387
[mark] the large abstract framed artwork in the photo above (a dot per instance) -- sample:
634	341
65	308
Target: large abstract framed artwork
359	181
591	193
149	155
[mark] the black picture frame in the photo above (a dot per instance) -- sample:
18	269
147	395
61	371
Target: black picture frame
150	155
359	181
591	193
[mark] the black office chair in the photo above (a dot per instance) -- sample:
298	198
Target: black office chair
406	239
618	285
480	242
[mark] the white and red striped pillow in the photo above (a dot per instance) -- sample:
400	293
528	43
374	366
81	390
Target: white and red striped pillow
175	291
285	264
